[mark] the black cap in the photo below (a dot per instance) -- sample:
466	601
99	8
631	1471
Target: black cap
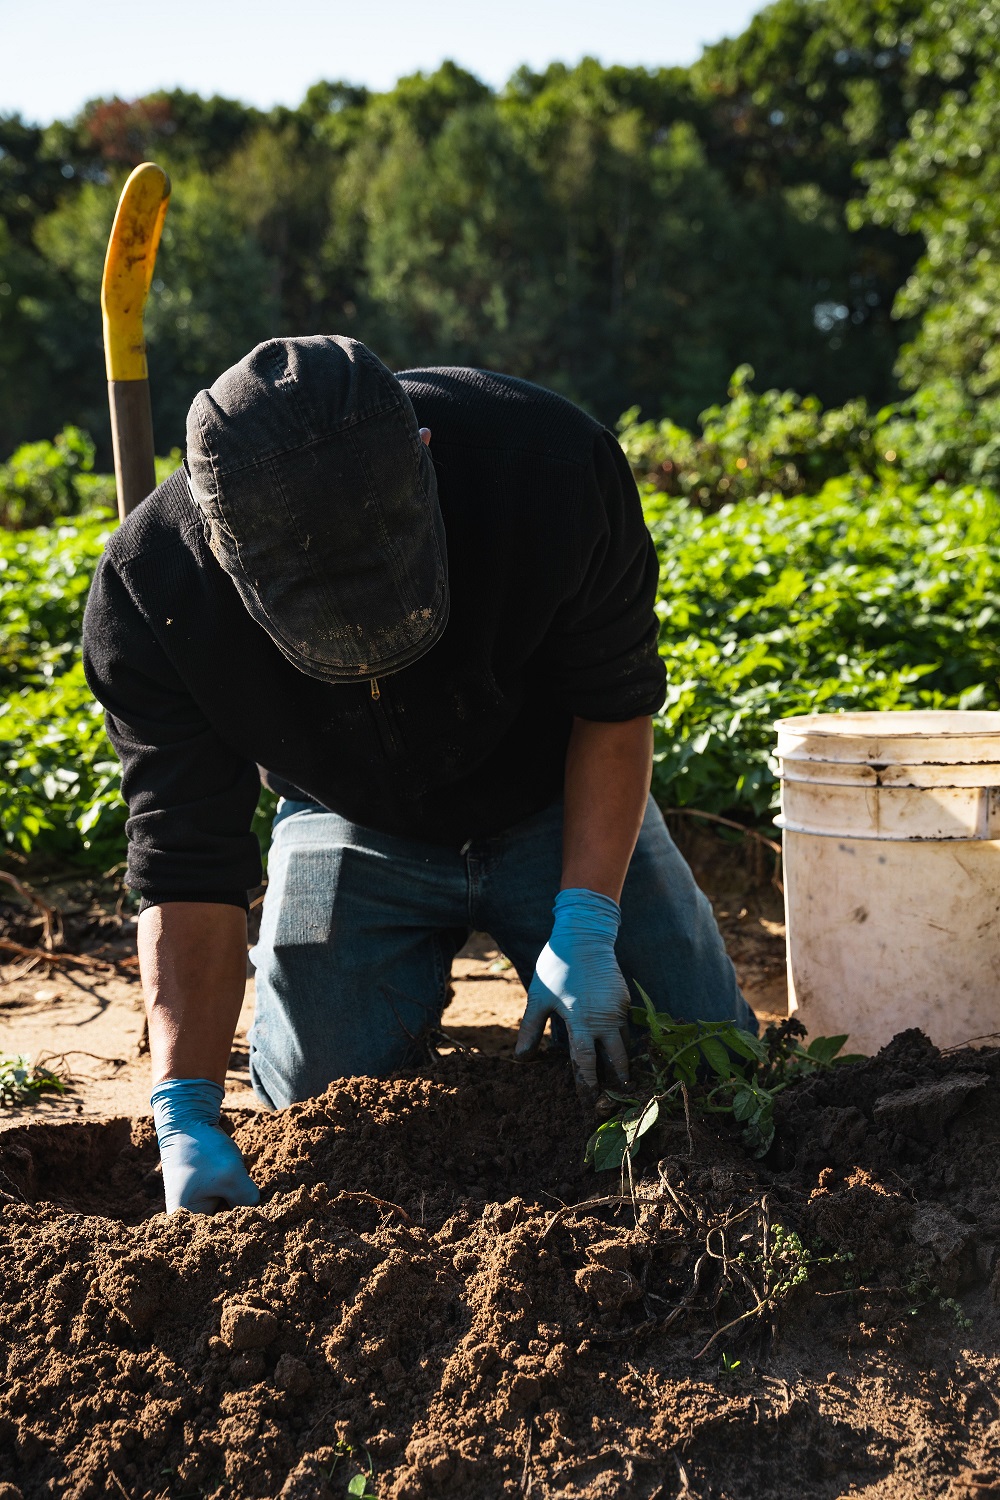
320	502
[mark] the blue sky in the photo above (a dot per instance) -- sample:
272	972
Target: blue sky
56	54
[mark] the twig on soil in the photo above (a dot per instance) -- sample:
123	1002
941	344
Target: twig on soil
750	833
378	1202
53	1060
10	1190
23	972
114	1476
687	1117
437	1036
74	960
611	1335
52	927
321	1418
665	1180
960	1046
569	1208
687	1301
526	1475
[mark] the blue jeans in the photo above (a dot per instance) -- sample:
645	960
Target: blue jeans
359	930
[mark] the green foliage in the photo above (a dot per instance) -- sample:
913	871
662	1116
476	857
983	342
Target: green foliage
782	1265
59	777
814	83
623	234
44	578
710	1067
774	441
856	598
42	482
943	182
213	297
22	1081
785	1263
59	782
780	443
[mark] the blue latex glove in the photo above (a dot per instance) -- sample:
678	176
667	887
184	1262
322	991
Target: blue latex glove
577	978
202	1168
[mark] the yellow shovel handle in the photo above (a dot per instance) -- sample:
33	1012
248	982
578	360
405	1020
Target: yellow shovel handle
128	272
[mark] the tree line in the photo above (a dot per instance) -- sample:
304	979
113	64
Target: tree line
817	197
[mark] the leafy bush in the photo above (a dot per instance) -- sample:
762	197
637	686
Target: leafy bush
43	482
854	598
776	442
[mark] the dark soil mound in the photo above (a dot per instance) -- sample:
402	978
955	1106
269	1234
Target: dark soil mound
427	1288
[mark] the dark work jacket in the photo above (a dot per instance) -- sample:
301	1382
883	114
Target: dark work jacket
552	577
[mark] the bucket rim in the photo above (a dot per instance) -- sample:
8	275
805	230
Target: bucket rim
948	723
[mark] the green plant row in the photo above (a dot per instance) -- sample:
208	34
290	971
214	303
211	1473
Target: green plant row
859	597
863	596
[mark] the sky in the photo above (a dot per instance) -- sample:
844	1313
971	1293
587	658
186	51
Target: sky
57	54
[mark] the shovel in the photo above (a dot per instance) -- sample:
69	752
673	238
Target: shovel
128	272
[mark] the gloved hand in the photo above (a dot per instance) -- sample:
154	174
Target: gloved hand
577	978
202	1168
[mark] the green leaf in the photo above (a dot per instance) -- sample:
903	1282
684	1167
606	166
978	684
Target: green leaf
607	1147
744	1104
716	1056
823	1049
644	1119
747	1045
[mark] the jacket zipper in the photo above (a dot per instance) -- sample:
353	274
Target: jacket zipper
383	721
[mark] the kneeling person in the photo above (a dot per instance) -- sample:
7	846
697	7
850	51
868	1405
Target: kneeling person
421	608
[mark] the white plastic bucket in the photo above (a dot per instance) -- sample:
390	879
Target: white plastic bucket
892	873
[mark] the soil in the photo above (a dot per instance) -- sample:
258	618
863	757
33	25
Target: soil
434	1285
437	1294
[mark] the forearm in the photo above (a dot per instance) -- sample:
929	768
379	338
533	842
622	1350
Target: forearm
608	771
192	957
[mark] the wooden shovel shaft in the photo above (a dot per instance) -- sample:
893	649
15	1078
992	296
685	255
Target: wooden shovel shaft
132	436
128	273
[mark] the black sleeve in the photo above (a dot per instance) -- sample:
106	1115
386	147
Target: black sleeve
191	798
600	655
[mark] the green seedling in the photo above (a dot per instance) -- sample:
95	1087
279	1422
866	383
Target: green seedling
728	1365
925	1295
22	1081
360	1485
711	1067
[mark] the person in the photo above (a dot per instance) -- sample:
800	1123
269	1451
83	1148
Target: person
421	608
